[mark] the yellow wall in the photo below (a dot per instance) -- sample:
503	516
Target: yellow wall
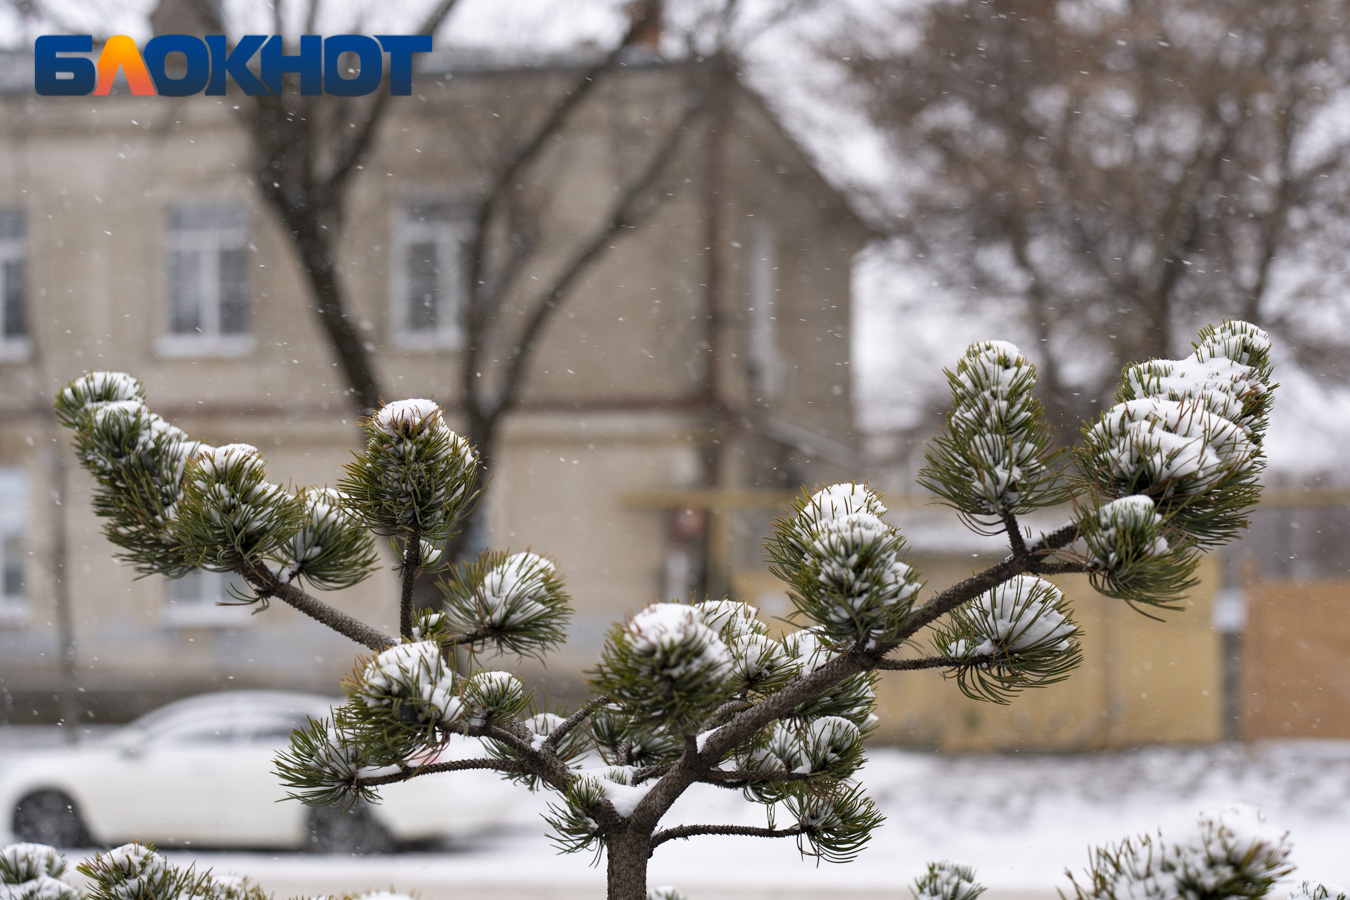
1141	681
1295	682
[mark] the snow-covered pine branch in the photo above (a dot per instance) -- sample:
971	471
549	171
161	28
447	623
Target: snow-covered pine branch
1187	433
1230	853
696	692
228	515
995	457
414	476
513	602
844	566
1014	636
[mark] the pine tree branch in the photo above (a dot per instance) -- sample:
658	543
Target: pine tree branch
268	585
576	718
907	665
407	773
1059	568
687	831
412	567
647	772
861	659
736	778
721	712
544	766
1015	539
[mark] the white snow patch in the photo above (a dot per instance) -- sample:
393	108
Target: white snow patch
511	593
408	417
845	498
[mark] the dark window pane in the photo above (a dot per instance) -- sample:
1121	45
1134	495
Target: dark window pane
207	217
14	275
12	574
423	287
435	211
234	291
185	300
11	225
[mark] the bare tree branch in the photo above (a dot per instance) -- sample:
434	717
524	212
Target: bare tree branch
623	213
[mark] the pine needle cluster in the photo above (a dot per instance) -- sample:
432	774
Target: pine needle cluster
512	602
994	457
1187	433
947	881
844	566
1017	635
415	476
133	871
137	459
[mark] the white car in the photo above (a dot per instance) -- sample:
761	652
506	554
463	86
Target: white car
199	771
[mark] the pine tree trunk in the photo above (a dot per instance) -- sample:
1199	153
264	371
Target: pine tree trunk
626	856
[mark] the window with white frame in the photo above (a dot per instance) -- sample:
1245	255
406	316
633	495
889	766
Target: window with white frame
206	598
13	284
13	543
429	274
206	278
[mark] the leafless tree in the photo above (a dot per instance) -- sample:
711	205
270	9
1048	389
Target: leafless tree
308	151
1115	172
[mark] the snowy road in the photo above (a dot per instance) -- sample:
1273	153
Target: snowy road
1020	820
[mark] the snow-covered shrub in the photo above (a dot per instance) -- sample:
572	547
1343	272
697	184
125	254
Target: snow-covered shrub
703	691
1230	853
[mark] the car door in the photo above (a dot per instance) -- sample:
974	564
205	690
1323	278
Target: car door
164	783
259	812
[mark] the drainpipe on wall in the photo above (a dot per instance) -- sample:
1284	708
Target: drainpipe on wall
1229	617
65	620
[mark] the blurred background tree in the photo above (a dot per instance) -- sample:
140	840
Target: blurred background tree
1113	174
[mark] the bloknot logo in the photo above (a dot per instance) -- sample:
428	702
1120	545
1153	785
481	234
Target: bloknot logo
179	65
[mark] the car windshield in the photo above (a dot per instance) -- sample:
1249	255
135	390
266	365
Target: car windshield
234	718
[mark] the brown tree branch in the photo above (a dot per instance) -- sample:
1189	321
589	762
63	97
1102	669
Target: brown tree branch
622	214
411	568
407	773
578	716
910	665
681	832
505	178
268	586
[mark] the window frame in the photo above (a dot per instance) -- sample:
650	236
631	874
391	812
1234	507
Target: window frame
450	231
208	242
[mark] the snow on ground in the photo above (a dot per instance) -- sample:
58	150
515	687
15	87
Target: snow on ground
1020	819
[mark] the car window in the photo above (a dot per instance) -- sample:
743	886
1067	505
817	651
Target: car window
271	726
206	726
194	733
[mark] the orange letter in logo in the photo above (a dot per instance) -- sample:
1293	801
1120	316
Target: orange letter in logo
120	53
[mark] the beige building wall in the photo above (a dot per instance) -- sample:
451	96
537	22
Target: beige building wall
614	402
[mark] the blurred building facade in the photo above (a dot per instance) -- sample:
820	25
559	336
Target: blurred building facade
691	367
